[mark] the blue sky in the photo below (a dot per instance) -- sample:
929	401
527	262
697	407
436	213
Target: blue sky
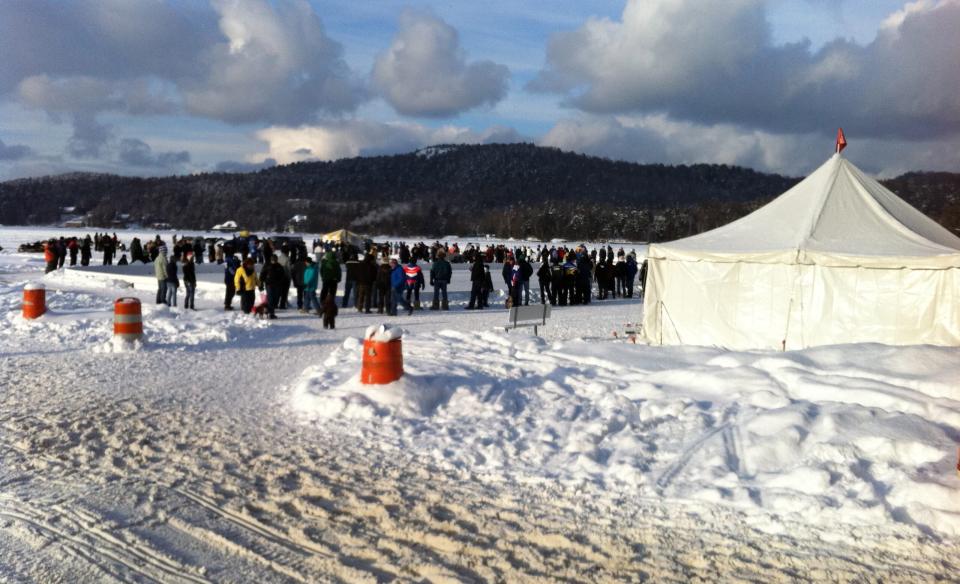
154	88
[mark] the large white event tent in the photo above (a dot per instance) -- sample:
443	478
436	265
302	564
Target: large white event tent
838	258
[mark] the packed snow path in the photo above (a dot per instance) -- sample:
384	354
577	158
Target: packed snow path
235	450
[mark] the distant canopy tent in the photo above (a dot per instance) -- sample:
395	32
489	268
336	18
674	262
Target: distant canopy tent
836	259
342	236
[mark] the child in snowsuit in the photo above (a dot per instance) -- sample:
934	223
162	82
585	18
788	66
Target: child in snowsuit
330	311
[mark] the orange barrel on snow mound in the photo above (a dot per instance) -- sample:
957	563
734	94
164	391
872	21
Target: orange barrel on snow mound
382	355
127	320
34	300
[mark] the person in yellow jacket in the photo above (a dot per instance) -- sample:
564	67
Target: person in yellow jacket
246	282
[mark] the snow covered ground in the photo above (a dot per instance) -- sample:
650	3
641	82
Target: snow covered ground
231	449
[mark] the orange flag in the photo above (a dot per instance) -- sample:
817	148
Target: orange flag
841	140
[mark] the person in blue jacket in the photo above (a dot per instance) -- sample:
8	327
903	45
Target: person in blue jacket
311	277
398	284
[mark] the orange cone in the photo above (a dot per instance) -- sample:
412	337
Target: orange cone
34	300
127	319
382	361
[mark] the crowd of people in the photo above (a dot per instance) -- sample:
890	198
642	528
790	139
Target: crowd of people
385	277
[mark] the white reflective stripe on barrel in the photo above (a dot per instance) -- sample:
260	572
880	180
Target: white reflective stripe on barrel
127	318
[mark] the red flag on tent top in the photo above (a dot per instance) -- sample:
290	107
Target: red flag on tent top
841	140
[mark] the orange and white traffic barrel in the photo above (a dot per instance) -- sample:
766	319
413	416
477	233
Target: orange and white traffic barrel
382	356
127	319
34	300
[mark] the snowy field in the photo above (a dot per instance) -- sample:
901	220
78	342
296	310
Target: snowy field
228	449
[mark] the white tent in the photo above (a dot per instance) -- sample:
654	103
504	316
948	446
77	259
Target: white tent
836	259
343	237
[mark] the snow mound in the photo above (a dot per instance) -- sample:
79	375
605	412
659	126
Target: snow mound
848	434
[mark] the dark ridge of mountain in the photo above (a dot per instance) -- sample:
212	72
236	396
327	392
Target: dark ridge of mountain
515	190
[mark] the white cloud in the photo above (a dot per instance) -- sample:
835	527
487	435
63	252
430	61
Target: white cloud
657	138
345	139
425	71
276	64
715	62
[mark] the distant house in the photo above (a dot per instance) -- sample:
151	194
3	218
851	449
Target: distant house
226	226
160	226
76	222
296	222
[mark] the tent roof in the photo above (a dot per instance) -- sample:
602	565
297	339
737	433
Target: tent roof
342	235
836	216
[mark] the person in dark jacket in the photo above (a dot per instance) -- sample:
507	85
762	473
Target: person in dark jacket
272	278
352	266
440	274
230	267
108	251
330	274
189	281
366	276
642	280
384	272
476	283
543	278
526	272
486	288
296	278
173	282
556	282
85	252
584	278
630	272
330	311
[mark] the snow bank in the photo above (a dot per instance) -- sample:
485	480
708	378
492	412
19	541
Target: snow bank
852	434
84	321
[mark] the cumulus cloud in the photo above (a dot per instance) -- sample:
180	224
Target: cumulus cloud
425	71
237	61
658	138
715	62
345	139
14	151
135	152
276	64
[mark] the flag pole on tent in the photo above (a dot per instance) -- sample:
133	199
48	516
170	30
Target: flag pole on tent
841	140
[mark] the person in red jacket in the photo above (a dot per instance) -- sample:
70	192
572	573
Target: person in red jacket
50	256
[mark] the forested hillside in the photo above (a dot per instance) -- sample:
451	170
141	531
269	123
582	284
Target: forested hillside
517	190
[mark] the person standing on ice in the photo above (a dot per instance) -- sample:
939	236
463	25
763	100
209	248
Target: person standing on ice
398	282
50	256
246	283
284	260
230	267
311	277
382	284
271	278
160	271
630	273
330	274
173	282
85	251
543	278
414	281
189	281
366	276
476	283
440	273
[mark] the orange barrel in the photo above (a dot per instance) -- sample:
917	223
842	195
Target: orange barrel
127	322
382	361
34	300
